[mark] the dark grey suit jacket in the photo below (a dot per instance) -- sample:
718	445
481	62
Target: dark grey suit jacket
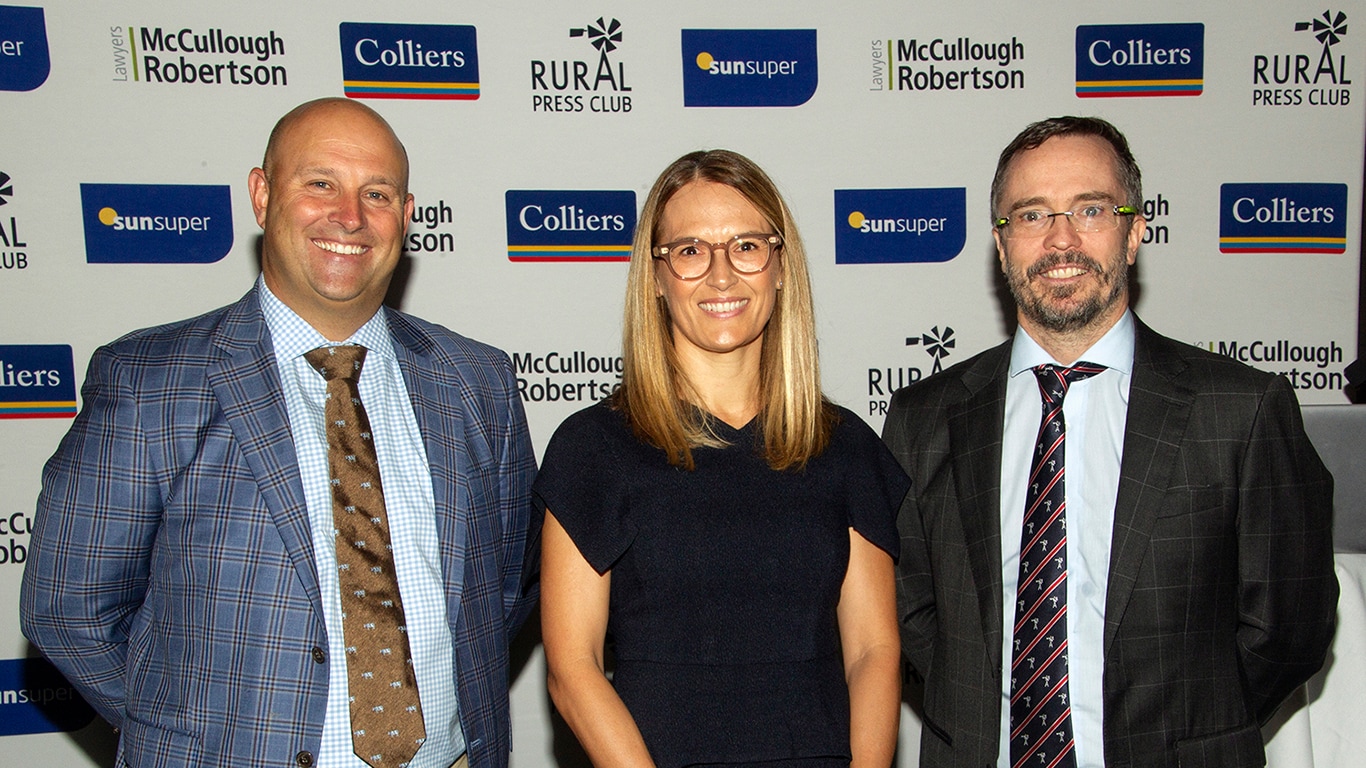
1221	595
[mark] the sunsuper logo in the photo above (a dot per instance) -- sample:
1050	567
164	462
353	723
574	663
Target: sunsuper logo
24	58
891	226
409	61
570	225
1283	218
156	223
1140	60
748	67
35	698
37	381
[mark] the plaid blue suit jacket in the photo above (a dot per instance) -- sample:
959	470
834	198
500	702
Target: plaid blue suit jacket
172	577
1221	597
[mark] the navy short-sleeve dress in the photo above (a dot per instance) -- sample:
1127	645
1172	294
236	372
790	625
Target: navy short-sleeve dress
725	582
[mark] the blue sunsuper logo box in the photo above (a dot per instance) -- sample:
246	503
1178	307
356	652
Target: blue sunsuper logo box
24	58
894	226
156	223
749	67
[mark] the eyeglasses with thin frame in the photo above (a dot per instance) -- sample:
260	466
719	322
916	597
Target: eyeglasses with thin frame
690	258
1032	222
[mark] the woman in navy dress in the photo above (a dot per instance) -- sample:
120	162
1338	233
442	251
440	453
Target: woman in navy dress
726	527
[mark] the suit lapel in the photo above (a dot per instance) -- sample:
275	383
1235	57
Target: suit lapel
437	396
246	382
975	427
1159	408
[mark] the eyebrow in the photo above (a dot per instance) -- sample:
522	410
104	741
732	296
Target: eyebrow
332	173
1085	197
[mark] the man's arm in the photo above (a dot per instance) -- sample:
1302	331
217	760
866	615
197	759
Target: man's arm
914	582
1287	589
521	521
88	565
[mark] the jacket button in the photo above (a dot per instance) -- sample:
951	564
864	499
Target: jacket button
318	655
304	759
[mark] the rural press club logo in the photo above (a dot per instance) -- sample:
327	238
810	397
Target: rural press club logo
1283	218
1141	60
1298	78
156	223
749	67
24	58
938	343
409	61
895	226
578	85
35	698
560	225
12	255
37	381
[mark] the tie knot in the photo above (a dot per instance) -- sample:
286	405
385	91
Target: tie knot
1054	380
339	362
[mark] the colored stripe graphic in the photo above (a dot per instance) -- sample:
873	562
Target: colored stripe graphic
52	410
371	89
1099	89
1283	244
569	253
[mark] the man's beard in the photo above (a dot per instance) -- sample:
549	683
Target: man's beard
1071	317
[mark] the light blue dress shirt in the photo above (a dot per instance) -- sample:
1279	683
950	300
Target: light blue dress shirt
1094	411
412	523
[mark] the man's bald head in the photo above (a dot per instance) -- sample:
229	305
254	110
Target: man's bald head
330	106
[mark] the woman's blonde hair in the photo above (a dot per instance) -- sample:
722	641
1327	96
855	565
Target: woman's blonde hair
795	420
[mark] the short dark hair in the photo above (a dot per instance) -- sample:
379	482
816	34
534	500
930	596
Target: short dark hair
1037	133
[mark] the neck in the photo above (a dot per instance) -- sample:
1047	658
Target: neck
1067	347
726	385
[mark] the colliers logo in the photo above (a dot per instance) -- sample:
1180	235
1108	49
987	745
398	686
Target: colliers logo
24	58
156	223
579	85
1140	60
1283	218
206	56
1299	78
748	67
570	226
409	61
37	381
893	226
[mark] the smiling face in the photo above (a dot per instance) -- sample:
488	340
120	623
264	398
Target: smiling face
334	204
722	312
1065	283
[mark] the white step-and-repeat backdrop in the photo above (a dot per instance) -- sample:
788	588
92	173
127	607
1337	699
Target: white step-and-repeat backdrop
535	128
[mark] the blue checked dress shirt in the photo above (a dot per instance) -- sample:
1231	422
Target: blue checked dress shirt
412	516
1096	411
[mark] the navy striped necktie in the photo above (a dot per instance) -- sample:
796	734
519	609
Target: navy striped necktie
1040	715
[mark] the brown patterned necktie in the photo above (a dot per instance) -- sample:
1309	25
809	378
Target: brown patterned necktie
386	716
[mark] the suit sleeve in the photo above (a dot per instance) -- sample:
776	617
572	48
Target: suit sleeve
1287	588
521	520
914	582
97	517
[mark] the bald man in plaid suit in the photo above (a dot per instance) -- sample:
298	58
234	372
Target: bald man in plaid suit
182	573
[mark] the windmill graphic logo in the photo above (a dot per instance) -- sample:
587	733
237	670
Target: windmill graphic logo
605	36
936	344
6	189
1328	29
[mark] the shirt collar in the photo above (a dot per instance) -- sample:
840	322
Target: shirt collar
1114	350
292	336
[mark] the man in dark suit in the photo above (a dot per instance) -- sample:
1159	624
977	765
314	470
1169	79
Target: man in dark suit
184	574
1141	573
